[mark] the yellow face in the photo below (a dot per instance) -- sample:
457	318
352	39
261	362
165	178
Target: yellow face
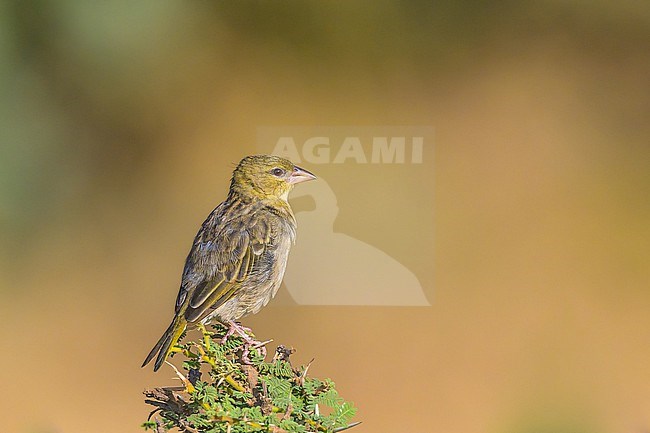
268	176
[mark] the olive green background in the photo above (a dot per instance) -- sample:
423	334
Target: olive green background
121	122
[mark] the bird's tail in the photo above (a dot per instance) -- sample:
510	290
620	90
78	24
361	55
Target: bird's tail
166	342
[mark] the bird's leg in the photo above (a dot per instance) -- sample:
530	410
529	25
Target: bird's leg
230	332
236	328
249	342
254	344
243	331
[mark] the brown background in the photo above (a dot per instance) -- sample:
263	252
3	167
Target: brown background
120	127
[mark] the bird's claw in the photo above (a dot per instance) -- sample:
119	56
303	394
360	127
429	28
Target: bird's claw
253	344
249	341
237	328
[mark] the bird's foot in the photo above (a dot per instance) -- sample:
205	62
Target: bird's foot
254	344
249	341
238	329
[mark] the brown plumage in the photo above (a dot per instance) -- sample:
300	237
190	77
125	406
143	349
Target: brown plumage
239	255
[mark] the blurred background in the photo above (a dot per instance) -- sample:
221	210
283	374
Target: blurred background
121	122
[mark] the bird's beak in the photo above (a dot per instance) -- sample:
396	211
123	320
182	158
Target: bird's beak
300	175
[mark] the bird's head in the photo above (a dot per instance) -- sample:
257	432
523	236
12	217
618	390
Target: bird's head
267	176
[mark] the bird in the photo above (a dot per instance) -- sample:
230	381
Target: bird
238	258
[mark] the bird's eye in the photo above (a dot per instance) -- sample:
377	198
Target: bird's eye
277	172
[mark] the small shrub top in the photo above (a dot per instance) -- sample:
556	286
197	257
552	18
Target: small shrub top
228	389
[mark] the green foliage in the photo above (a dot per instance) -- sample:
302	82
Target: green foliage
228	389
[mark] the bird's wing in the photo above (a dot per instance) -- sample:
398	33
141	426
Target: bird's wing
224	259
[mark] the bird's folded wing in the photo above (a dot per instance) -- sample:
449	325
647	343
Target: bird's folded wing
207	297
231	259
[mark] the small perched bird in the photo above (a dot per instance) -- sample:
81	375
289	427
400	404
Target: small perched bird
239	255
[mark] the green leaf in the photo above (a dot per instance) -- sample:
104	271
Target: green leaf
198	420
311	385
210	394
344	414
329	398
292	426
282	369
149	425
